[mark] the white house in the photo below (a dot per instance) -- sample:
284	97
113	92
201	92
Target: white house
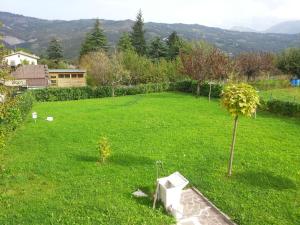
20	57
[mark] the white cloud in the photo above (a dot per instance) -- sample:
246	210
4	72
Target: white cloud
257	14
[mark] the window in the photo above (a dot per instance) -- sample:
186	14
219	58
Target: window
63	75
80	75
74	75
53	82
53	76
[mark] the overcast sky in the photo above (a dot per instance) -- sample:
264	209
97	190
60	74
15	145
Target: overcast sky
257	14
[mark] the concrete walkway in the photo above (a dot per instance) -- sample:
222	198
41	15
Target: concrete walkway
195	209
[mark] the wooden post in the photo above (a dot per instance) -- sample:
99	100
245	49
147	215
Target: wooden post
198	89
156	194
209	94
232	146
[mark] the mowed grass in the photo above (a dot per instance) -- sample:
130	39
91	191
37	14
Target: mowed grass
285	94
51	175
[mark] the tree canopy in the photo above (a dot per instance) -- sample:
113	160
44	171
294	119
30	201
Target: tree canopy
94	41
174	43
289	61
138	35
54	50
157	49
124	43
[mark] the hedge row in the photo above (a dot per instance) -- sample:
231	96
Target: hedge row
13	112
67	94
190	86
281	107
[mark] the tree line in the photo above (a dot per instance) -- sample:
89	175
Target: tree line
134	60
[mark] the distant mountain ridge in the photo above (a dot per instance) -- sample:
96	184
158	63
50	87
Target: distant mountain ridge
288	27
35	34
242	29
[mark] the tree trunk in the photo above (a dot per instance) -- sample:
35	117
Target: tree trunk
198	89
232	146
209	94
112	91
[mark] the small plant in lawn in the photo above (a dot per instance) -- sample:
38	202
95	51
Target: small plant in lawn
104	149
238	99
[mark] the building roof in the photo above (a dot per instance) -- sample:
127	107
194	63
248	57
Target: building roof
23	53
66	71
35	75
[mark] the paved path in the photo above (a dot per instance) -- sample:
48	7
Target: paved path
195	209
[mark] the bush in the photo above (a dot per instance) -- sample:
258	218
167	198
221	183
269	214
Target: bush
104	149
190	86
76	93
281	107
13	112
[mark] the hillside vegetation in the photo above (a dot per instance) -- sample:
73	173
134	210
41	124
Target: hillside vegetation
35	34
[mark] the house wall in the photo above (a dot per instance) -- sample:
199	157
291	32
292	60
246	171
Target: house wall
70	79
15	60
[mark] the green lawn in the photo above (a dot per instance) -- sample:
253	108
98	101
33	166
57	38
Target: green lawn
287	94
51	175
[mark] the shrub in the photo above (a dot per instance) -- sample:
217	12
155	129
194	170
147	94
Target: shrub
190	86
281	107
13	112
76	93
104	149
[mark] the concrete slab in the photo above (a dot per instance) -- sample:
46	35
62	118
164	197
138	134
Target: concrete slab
195	209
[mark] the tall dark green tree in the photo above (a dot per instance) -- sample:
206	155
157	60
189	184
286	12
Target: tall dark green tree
174	43
55	51
138	35
124	43
94	41
157	49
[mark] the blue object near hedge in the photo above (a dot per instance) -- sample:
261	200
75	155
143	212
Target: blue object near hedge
295	82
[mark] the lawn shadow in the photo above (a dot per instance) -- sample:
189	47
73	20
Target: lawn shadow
131	160
86	158
266	180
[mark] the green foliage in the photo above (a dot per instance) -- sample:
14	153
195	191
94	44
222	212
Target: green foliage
190	86
55	51
104	149
157	49
143	70
270	84
13	112
240	99
283	94
289	61
174	43
124	43
281	107
138	35
77	93
4	68
94	41
54	64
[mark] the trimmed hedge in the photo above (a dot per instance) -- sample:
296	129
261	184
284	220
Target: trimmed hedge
281	107
190	86
67	94
13	112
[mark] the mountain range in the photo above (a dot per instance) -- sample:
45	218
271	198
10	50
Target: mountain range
35	34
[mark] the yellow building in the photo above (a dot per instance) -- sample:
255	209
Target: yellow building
67	77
